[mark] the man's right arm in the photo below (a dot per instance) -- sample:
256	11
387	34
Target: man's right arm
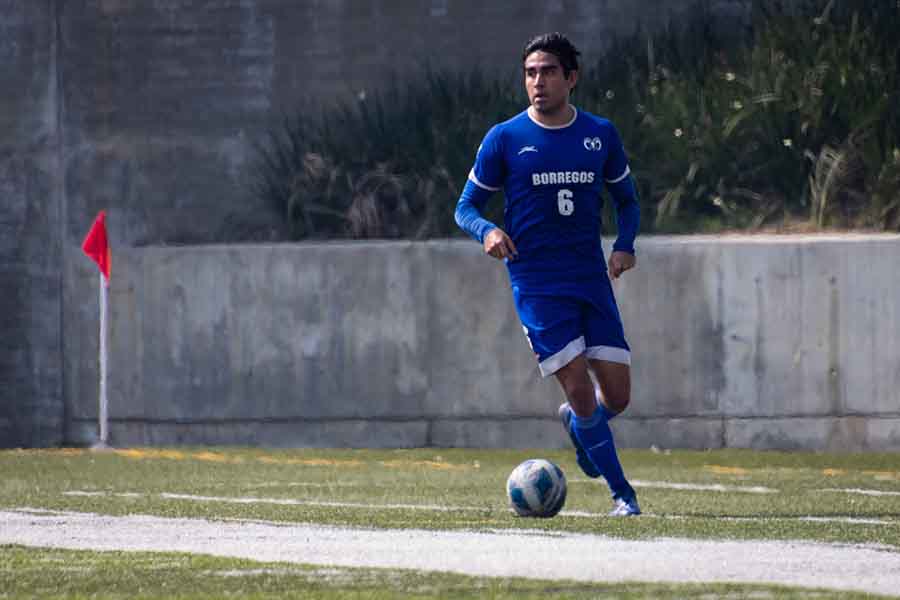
469	210
485	178
468	216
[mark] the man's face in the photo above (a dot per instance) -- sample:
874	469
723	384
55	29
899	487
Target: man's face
548	89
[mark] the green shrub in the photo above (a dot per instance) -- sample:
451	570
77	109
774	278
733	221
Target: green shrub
788	118
796	122
390	166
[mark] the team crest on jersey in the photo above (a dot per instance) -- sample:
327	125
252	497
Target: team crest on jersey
593	144
527	149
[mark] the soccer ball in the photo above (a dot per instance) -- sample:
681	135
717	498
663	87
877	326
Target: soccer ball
536	488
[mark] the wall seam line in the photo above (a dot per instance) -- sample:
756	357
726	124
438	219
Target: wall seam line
59	192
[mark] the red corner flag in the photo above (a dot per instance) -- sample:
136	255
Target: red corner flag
96	244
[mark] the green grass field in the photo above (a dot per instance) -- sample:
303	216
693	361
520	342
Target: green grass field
52	574
710	495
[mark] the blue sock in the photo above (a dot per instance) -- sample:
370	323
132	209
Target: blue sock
596	439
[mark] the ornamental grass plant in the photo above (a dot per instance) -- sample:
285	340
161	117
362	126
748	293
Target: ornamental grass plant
389	166
784	118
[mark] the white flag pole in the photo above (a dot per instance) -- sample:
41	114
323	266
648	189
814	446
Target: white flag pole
104	406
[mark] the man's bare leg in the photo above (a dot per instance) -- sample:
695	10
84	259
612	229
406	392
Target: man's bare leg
589	423
615	384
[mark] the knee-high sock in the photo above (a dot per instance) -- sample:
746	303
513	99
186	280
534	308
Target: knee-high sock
596	438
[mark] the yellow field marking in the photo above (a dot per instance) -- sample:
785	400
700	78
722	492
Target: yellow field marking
133	453
70	451
431	464
720	470
833	472
310	462
172	454
217	457
332	462
141	453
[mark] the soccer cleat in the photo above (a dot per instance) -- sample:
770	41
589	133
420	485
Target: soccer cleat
565	415
625	508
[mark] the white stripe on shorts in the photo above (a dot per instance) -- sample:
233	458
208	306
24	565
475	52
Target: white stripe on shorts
610	353
554	363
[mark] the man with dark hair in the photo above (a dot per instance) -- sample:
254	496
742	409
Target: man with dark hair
552	162
558	45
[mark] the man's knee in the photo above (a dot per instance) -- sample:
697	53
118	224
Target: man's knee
617	401
580	395
578	387
615	383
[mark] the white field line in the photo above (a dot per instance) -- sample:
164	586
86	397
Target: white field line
699	487
495	554
705	487
450	508
861	491
814	519
852	520
811	519
288	502
325	503
252	572
305	484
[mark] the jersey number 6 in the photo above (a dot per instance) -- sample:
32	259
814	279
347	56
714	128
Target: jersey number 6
565	203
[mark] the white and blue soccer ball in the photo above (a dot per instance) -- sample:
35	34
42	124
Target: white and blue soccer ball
536	488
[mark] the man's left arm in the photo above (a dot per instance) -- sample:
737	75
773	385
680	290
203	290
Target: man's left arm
620	184
628	218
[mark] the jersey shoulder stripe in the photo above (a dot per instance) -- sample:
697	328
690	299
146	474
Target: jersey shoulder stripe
620	177
489	171
483	186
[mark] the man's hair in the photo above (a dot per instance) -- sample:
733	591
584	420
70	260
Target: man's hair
558	45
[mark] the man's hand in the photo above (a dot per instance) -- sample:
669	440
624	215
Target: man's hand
499	245
619	262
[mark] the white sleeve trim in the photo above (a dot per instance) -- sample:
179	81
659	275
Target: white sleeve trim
620	177
474	180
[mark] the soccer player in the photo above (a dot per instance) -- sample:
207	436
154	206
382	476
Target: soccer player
552	161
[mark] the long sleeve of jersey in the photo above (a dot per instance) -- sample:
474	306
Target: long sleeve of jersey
628	213
617	175
469	210
485	178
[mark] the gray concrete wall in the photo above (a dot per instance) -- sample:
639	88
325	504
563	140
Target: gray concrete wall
749	342
149	108
31	244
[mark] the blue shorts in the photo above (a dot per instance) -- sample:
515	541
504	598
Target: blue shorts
561	325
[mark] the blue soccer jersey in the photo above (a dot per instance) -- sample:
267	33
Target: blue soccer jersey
552	179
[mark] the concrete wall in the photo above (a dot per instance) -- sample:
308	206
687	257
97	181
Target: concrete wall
149	108
759	342
31	228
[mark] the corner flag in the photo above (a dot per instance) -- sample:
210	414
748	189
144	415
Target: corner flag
96	246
